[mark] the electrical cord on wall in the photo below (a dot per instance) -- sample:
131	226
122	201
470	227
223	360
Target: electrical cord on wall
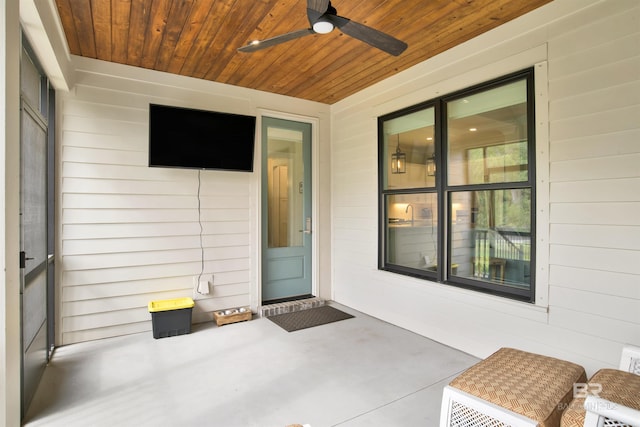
201	232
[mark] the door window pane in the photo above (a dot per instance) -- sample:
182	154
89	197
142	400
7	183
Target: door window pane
487	136
491	239
285	188
409	150
412	230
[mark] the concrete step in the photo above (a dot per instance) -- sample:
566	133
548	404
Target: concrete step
290	306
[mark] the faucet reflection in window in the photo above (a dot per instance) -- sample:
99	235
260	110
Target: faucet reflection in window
407	210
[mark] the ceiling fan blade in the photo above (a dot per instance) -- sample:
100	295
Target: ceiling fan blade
263	44
368	35
316	8
318	5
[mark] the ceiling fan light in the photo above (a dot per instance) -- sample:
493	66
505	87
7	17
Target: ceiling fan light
323	27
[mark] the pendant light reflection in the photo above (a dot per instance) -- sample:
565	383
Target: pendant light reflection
398	160
431	165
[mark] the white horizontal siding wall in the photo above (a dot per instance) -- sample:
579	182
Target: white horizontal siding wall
130	234
594	91
587	59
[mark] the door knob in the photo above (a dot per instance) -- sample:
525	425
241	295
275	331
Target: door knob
307	226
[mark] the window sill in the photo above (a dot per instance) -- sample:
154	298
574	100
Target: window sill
526	310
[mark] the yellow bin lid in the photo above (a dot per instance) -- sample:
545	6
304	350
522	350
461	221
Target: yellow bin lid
170	304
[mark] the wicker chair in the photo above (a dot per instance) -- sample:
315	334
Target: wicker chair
612	398
511	388
630	360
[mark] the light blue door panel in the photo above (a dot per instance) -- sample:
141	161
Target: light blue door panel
285	268
286	209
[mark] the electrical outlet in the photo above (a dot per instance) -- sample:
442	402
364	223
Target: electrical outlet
202	282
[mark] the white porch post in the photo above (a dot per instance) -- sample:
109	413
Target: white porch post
9	213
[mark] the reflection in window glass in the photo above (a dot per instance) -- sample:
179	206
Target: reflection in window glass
412	226
494	236
487	136
285	176
409	150
485	189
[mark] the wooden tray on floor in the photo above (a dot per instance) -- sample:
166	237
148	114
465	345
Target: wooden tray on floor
232	315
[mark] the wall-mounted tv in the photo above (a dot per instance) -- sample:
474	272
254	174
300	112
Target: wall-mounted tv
190	138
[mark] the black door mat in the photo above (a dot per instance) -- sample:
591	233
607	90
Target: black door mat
309	318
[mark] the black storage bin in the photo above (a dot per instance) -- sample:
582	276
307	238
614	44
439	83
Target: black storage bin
171	317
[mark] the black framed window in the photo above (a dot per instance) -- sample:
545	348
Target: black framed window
457	188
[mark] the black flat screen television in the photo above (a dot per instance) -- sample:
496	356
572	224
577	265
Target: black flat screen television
189	138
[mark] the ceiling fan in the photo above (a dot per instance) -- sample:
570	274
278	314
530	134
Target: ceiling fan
323	18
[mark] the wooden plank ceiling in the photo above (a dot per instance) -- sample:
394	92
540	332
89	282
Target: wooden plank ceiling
199	38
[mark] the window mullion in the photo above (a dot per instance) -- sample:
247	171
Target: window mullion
441	184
